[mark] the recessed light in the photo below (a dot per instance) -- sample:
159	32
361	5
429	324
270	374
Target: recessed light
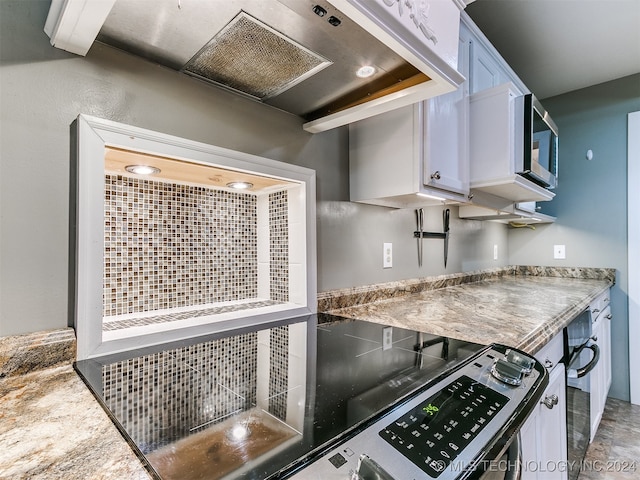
142	169
365	71
240	185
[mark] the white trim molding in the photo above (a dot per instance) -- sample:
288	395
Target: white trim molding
94	135
633	252
73	25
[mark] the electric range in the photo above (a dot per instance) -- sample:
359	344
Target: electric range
312	397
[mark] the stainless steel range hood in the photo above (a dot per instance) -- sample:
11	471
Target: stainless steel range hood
296	55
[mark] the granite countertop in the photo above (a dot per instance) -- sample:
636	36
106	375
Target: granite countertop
520	311
52	427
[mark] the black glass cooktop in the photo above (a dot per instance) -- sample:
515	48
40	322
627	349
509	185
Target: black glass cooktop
247	404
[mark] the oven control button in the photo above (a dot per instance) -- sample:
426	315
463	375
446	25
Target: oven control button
507	372
337	460
524	362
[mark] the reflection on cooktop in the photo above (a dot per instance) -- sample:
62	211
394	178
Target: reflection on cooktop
289	389
227	445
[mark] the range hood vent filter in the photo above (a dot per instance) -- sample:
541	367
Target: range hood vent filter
250	57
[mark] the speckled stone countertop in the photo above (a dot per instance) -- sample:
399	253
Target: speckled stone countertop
51	426
519	306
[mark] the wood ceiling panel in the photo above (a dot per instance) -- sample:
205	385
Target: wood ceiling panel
179	171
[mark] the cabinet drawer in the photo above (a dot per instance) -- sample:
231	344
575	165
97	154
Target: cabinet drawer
551	354
599	304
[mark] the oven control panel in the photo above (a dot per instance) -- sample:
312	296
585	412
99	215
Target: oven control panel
441	432
434	432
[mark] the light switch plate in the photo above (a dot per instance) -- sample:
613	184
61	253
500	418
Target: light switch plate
559	252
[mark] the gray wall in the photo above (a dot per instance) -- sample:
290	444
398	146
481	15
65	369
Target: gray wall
42	90
591	201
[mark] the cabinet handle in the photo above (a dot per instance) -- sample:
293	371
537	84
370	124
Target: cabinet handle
608	316
594	338
435	175
550	401
595	310
548	364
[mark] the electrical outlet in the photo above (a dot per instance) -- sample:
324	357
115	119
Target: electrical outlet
387	338
559	252
495	252
387	255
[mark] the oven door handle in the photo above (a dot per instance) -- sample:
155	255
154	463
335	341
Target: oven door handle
582	371
592	364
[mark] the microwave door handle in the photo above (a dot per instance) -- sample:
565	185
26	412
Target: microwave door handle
581	372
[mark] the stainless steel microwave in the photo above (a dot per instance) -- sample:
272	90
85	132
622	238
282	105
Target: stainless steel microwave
539	142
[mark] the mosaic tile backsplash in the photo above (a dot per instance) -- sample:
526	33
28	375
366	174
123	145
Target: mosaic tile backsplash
279	371
169	245
279	246
165	396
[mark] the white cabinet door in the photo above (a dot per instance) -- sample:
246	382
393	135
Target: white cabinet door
529	445
486	71
601	375
446	132
606	345
544	434
596	382
446	147
464	54
552	429
487	68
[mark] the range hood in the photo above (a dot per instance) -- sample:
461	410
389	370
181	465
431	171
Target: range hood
299	56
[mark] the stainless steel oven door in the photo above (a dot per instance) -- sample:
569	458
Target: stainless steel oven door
581	356
508	466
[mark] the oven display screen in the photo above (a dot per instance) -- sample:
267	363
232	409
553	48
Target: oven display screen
435	432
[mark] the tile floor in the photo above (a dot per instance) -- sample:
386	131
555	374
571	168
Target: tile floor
615	451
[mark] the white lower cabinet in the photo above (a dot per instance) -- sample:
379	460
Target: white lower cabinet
544	434
600	381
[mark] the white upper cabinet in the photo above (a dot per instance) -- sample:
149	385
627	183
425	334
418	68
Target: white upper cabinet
487	68
415	155
487	72
496	146
394	162
460	147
